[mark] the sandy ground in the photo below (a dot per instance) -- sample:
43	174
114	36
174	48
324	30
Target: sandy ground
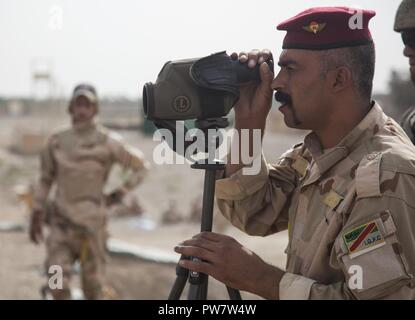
22	275
167	188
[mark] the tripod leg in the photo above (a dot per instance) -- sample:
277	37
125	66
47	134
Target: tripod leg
194	292
206	225
203	291
198	285
199	291
199	282
208	200
234	294
179	284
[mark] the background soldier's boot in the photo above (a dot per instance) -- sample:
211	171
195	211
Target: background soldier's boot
61	294
92	288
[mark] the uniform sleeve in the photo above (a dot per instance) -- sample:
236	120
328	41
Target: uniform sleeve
258	204
130	158
47	176
374	249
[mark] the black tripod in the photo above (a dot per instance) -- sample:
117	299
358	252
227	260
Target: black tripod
198	281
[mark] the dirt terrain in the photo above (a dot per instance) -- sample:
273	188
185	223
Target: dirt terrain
168	190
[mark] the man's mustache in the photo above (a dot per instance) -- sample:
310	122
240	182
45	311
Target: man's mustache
282	97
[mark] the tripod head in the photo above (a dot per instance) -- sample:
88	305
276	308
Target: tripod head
181	144
212	142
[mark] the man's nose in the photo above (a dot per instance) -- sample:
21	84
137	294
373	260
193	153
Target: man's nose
409	52
278	83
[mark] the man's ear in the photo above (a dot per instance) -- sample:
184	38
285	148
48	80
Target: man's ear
340	78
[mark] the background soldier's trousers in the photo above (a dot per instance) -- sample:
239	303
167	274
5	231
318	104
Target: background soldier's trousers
65	245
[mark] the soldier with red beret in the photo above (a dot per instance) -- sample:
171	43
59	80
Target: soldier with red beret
345	193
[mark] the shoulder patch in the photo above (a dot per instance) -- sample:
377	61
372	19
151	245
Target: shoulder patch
363	238
368	176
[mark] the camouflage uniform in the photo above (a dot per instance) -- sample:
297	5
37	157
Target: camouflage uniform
408	123
78	162
351	205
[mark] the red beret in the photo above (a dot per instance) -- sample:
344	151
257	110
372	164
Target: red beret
323	28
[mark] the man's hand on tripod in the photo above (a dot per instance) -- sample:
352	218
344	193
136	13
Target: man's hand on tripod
225	259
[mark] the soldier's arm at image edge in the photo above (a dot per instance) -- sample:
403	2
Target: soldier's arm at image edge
131	158
46	178
256	204
393	282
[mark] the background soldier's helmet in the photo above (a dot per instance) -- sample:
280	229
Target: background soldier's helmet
405	16
86	90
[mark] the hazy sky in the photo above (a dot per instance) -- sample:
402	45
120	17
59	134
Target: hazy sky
120	45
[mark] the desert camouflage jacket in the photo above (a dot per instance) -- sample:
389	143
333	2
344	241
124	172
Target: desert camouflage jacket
78	161
349	211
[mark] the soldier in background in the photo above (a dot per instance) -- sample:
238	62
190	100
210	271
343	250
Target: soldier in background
405	24
78	160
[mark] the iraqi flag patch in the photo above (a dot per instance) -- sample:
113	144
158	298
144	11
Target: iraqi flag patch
362	239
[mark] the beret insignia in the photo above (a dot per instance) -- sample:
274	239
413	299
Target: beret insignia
314	27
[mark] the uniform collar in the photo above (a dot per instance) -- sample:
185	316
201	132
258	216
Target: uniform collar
83	128
366	128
